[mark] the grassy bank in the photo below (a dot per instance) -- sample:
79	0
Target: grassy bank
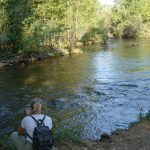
9	59
136	137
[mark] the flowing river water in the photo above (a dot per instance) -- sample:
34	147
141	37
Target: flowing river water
104	89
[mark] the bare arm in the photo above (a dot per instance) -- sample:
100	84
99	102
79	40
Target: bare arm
21	130
28	111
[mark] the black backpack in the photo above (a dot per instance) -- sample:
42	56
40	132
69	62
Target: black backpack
42	136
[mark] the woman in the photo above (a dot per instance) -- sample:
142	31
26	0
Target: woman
28	124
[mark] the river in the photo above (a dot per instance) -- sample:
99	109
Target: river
104	89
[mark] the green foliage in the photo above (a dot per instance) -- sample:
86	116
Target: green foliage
35	26
129	17
131	29
5	143
98	32
68	135
95	35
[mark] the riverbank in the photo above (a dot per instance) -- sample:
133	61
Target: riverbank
137	137
21	60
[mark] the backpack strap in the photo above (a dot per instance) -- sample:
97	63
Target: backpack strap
34	119
29	136
27	133
40	121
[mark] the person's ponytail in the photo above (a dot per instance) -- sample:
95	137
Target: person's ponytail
37	108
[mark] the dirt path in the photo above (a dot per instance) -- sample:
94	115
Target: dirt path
135	138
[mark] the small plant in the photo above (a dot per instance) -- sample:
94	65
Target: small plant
68	135
4	143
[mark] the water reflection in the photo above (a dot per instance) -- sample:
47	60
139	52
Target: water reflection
101	90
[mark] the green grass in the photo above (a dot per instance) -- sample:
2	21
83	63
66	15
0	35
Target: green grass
61	137
67	135
5	143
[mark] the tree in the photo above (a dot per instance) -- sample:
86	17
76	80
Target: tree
129	16
36	26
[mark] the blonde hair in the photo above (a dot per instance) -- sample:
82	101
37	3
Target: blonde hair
36	106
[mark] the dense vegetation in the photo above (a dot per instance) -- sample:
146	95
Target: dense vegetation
29	26
131	18
34	26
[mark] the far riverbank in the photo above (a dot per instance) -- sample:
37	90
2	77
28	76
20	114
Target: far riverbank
21	60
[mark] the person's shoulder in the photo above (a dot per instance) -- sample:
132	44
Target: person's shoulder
25	121
26	118
48	117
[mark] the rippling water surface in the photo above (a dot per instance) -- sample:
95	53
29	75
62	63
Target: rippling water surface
99	91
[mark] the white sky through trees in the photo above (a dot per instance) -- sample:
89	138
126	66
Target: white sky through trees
106	2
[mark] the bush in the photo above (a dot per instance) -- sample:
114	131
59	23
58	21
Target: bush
95	35
132	28
128	28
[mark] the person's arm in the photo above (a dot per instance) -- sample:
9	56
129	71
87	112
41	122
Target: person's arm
21	130
28	111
